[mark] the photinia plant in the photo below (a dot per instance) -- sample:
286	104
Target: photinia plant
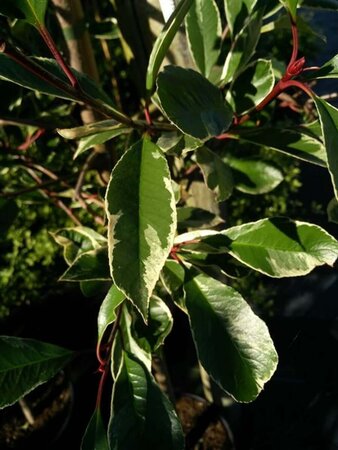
155	250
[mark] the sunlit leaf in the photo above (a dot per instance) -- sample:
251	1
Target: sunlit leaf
281	247
163	42
107	313
237	12
140	230
233	344
204	29
195	106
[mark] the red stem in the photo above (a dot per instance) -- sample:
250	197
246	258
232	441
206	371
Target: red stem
295	41
58	57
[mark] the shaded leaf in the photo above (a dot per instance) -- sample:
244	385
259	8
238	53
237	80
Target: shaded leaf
31	10
332	210
25	364
204	29
243	47
296	142
77	240
95	437
107	312
328	116
237	13
15	73
140	231
281	247
172	277
195	106
217	175
100	138
191	217
163	42
328	70
233	344
91	265
259	79
142	417
255	176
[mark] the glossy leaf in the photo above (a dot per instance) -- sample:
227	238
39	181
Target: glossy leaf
140	231
25	364
31	10
243	47
142	417
328	70
237	13
255	176
296	142
163	42
100	138
204	29
281	247
15	73
77	240
328	116
91	265
217	175
259	78
195	106
107	313
95	437
233	344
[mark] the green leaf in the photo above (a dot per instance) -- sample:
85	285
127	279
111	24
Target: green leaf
217	174
152	335
204	29
163	42
89	129
237	12
91	265
13	72
298	142
25	364
243	47
281	247
140	230
259	78
328	116
195	106
95	437
328	70
31	10
191	217
233	344
332	210
255	176
291	6
172	277
107	313
142	417
100	138
77	240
